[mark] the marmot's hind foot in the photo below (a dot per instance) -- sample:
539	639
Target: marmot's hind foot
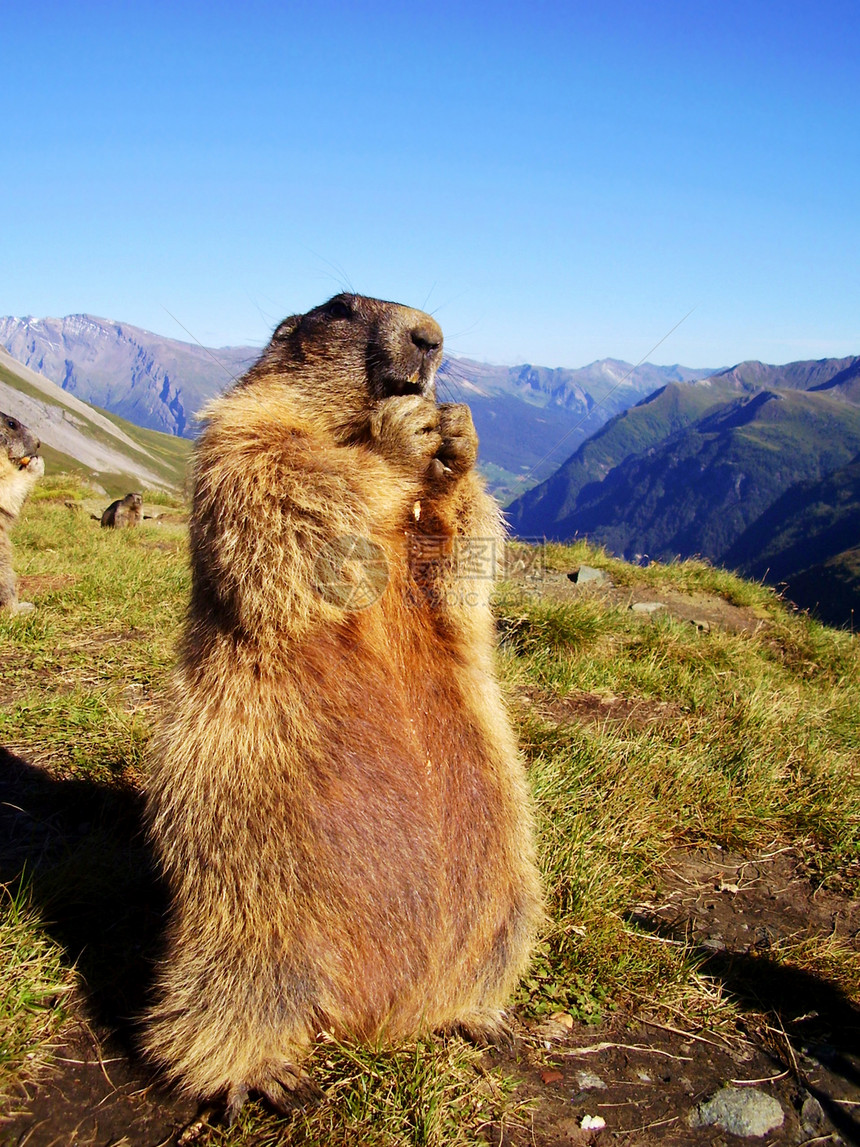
284	1090
492	1030
290	1087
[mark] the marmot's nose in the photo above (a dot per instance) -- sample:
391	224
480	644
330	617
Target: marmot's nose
427	337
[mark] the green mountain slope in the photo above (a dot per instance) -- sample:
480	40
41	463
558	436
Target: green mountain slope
811	523
839	376
698	490
831	590
547	509
116	454
736	469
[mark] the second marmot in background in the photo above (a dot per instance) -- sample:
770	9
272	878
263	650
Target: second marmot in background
126	511
20	469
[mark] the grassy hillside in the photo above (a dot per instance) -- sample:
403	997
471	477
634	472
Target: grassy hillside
546	510
741	736
115	454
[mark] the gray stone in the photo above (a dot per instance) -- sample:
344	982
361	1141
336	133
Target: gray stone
588	1081
588	574
744	1111
811	1115
714	944
647	606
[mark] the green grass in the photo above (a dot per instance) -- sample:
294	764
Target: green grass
741	739
430	1094
744	739
33	991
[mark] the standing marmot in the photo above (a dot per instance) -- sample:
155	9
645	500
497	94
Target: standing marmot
125	511
20	469
336	802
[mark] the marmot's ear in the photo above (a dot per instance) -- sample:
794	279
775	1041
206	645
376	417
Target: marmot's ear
286	328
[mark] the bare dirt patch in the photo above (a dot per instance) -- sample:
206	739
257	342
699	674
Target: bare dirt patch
38	585
798	1039
703	610
599	709
724	901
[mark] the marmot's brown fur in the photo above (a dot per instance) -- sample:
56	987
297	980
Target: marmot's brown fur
336	801
125	511
20	469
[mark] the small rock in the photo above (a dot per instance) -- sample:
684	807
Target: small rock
714	944
586	574
647	606
551	1075
592	1123
811	1115
588	1081
744	1111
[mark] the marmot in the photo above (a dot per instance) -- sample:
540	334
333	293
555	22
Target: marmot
336	799
20	469
125	511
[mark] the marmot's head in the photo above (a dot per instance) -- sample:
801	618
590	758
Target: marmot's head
17	442
133	500
352	352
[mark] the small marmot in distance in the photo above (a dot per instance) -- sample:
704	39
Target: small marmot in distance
126	511
336	799
20	468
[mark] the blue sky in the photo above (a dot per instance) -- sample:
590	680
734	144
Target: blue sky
557	182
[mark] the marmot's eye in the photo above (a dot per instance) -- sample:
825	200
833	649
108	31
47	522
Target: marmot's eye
339	310
11	423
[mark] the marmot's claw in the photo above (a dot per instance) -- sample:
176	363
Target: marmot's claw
237	1097
496	1033
290	1089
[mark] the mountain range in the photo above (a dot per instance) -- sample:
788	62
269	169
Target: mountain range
527	417
755	468
155	382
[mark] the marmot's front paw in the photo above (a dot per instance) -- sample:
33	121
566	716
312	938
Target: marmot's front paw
459	449
405	429
34	464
